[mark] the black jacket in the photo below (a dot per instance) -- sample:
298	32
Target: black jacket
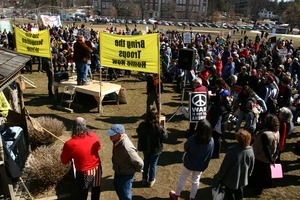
150	139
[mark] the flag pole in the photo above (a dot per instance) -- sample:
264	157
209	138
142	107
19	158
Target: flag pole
100	79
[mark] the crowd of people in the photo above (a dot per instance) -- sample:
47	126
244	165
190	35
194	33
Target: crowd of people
253	80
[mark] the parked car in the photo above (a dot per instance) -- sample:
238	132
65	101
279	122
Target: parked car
193	24
165	23
32	17
179	24
171	23
214	25
199	24
236	27
265	27
185	24
206	25
224	26
229	26
249	27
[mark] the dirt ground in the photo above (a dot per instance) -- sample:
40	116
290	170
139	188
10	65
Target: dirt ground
170	163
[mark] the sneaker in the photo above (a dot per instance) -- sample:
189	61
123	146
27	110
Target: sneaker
151	183
173	195
144	182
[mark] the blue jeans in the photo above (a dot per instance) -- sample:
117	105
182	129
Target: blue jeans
81	70
40	66
89	71
150	163
123	186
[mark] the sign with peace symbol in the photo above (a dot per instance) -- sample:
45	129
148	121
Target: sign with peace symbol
199	99
198	105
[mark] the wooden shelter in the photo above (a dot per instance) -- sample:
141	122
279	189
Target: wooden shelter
11	64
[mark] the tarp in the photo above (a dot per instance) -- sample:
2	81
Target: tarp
136	52
35	44
4	105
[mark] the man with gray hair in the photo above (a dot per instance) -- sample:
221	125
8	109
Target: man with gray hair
82	149
125	160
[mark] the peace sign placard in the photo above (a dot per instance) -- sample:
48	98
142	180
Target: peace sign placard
198	105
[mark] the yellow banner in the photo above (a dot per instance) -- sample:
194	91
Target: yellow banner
35	44
136	52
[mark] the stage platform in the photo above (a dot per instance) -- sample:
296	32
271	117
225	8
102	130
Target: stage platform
92	88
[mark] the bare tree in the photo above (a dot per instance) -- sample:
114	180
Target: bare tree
143	9
134	10
117	5
255	6
212	7
168	10
216	16
113	12
292	14
35	3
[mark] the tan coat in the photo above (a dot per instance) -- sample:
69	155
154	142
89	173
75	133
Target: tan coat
273	140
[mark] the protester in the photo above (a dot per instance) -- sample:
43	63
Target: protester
126	161
243	97
285	117
285	92
252	116
151	135
228	69
237	166
265	146
197	87
220	127
153	91
83	149
62	62
82	54
198	151
47	66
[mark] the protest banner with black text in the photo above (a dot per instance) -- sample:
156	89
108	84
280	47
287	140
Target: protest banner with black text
136	52
35	44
